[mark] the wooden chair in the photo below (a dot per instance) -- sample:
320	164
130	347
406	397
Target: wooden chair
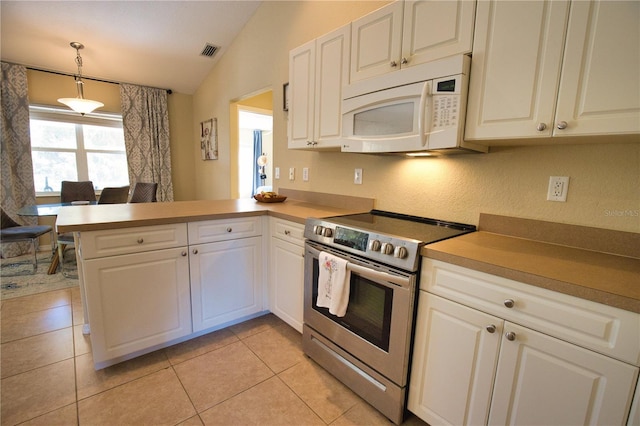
113	195
12	232
144	192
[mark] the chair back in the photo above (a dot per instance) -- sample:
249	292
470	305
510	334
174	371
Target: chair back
7	222
113	195
144	192
77	191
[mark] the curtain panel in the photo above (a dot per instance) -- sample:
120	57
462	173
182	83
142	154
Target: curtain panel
145	120
17	187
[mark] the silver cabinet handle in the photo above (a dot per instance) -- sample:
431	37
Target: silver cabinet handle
393	64
140	240
404	61
491	328
184	253
511	336
195	251
509	303
229	229
562	125
287	232
541	127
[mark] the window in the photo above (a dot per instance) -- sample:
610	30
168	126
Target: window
68	146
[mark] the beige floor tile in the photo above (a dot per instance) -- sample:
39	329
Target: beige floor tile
193	421
268	403
221	374
26	354
156	399
279	347
91	381
33	323
36	302
76	303
256	325
81	342
319	390
363	414
36	392
200	345
64	416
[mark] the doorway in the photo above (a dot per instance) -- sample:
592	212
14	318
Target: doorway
257	112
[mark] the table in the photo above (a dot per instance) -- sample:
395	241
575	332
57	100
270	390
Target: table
47	210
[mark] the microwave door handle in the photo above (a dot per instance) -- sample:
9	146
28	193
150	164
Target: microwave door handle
422	129
382	276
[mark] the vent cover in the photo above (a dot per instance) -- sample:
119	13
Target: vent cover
209	50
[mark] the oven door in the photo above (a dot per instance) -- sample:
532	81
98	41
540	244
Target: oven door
378	324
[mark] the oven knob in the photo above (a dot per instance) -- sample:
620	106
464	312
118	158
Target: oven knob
400	252
327	232
386	248
374	245
317	229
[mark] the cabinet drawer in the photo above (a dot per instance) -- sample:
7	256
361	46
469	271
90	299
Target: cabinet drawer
224	229
113	242
605	329
288	231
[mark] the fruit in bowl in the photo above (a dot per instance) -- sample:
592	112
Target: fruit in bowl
269	197
269	194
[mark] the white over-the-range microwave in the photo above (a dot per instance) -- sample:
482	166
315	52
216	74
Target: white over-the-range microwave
417	110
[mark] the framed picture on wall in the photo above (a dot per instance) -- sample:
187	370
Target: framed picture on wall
209	139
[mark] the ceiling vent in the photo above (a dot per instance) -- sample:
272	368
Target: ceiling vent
209	50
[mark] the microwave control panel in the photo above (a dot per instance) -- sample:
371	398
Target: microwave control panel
446	103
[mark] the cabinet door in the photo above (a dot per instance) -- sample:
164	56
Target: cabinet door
301	96
286	270
634	415
600	85
226	282
454	360
332	72
435	29
137	301
542	380
517	55
376	41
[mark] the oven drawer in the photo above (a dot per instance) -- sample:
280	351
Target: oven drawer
114	242
208	231
605	329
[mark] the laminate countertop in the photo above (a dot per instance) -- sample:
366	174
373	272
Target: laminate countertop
590	263
297	208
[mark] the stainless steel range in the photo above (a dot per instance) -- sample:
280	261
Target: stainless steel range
368	348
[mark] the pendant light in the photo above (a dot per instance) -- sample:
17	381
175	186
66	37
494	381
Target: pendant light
80	104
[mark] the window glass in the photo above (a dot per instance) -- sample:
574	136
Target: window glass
68	146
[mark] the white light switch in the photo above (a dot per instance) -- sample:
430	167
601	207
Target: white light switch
292	173
305	174
277	172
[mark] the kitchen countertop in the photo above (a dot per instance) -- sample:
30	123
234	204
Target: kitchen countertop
531	257
114	216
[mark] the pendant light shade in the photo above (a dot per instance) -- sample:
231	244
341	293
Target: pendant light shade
80	104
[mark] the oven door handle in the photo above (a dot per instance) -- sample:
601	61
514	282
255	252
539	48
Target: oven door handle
383	276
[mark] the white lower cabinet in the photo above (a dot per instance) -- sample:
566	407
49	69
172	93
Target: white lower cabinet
475	365
286	271
226	281
137	301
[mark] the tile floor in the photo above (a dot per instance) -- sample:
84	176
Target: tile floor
250	373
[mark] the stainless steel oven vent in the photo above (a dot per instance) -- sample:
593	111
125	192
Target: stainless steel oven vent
209	50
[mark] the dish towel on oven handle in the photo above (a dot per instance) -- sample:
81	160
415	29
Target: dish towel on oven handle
333	284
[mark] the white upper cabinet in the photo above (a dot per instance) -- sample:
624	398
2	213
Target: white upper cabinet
554	68
408	33
317	72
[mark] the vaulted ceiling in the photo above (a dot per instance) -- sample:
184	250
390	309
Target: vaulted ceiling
152	43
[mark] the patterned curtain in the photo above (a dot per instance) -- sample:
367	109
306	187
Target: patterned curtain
17	188
145	119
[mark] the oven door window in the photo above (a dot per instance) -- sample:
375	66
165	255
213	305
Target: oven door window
369	310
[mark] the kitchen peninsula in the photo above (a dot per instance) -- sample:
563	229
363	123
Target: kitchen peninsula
155	274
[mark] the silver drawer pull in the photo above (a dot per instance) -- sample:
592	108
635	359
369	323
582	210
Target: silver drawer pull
509	303
184	253
491	328
287	232
195	251
140	240
511	336
229	229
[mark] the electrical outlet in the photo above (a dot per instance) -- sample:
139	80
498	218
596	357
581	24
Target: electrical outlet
305	174
357	177
558	188
292	173
277	172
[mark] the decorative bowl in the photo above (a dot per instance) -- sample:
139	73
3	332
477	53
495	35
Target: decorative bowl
277	199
